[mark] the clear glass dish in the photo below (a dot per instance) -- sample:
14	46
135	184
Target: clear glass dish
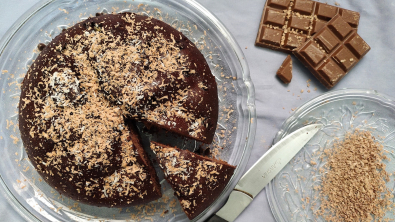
290	194
22	185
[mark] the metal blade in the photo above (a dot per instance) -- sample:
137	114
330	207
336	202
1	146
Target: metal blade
265	169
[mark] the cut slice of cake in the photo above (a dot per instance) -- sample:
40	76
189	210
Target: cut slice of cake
197	181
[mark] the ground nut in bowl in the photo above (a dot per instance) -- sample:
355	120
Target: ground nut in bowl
37	201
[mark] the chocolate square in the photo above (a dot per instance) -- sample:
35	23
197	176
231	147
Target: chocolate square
271	36
345	58
305	7
313	53
299	22
325	11
331	72
274	17
357	45
279	3
351	17
340	27
327	40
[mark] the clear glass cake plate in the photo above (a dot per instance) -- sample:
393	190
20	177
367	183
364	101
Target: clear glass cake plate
292	194
21	184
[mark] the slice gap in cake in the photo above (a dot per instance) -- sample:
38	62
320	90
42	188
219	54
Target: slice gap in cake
197	181
143	157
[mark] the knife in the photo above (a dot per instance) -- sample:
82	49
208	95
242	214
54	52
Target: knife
263	171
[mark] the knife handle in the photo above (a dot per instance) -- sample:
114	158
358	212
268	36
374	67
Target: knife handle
236	203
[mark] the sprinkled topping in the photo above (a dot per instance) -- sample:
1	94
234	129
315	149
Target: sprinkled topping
354	187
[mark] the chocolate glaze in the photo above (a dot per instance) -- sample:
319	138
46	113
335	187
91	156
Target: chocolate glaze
55	92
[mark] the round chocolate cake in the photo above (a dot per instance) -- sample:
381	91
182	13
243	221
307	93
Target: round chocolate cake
81	95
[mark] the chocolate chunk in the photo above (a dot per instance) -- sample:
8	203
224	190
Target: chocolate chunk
333	51
285	25
40	46
285	70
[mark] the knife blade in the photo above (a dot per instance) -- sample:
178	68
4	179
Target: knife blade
263	171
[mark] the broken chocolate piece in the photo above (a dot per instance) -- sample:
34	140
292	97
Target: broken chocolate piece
332	52
285	70
287	24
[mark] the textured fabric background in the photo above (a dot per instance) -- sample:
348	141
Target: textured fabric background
274	100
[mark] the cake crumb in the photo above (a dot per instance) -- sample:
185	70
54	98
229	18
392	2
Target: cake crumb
14	138
63	10
312	162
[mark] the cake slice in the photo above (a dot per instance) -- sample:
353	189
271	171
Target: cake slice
196	180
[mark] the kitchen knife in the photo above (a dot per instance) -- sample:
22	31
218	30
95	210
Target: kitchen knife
263	171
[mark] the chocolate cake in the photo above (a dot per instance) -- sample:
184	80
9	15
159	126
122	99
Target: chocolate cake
196	180
79	96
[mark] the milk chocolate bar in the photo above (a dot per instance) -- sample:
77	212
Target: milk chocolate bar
287	24
332	52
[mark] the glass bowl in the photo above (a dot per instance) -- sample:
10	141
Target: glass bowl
291	194
21	184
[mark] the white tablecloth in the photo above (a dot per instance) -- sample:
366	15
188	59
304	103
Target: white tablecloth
274	100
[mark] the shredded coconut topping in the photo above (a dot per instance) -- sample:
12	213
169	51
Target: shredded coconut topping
354	189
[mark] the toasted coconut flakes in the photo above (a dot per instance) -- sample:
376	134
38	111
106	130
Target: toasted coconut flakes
354	188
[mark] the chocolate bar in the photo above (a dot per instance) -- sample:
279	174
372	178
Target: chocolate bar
287	24
332	52
285	70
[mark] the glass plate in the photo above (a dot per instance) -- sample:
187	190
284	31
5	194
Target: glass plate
23	187
340	112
